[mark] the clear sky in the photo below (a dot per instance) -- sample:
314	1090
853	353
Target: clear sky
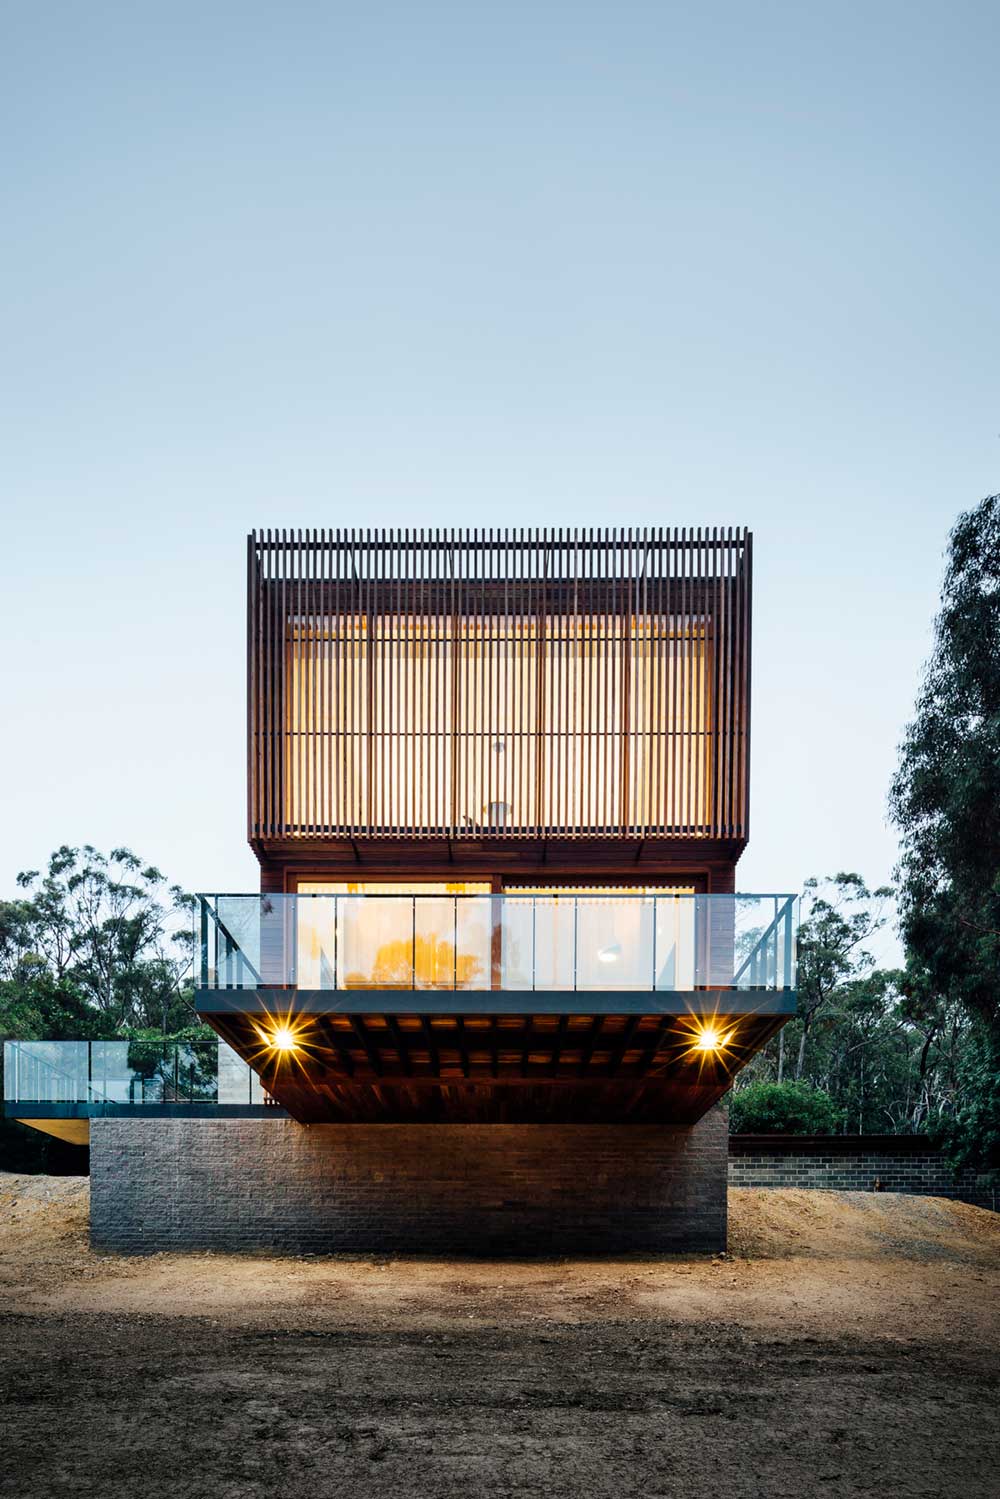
552	264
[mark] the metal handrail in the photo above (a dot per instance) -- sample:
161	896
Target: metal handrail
607	893
207	910
784	915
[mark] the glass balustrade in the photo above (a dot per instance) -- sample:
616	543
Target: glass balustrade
585	943
133	1073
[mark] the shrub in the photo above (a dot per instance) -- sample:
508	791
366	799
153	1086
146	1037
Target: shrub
782	1109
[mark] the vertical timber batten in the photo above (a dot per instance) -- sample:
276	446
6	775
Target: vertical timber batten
516	686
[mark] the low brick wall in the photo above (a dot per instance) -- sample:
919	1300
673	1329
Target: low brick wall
271	1184
853	1163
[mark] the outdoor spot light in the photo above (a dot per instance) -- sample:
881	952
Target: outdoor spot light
283	1038
708	1039
609	954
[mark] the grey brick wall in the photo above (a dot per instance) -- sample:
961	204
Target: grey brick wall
271	1184
906	1163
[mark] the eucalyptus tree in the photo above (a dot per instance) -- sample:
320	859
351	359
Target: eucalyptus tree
945	801
112	929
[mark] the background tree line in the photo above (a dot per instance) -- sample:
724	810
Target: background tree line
917	1048
864	1054
99	947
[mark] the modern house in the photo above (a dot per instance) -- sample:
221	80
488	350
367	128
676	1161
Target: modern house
497	975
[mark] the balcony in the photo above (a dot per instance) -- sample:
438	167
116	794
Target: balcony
522	1007
489	953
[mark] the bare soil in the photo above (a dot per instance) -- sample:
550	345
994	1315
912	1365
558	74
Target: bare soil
848	1344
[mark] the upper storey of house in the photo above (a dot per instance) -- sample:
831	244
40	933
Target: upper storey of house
558	698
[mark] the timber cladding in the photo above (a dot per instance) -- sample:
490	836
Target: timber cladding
501	685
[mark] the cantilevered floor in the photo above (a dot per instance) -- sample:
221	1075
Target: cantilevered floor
392	1057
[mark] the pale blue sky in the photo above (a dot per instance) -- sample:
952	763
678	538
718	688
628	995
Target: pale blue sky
313	264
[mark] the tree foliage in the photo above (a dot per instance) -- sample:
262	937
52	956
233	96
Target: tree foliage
945	797
841	915
107	929
891	1063
783	1108
945	801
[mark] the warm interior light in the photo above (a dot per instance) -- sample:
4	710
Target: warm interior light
708	1039
556	686
283	1039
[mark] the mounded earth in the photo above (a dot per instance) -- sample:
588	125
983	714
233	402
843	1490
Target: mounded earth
847	1344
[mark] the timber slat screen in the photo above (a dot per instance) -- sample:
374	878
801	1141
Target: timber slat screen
499	684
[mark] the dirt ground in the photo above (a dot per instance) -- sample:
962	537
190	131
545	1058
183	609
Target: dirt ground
848	1344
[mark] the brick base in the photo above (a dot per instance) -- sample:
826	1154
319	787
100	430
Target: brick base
271	1184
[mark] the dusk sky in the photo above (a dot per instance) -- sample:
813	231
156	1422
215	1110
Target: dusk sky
457	265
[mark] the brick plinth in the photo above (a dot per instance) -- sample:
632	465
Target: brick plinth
271	1184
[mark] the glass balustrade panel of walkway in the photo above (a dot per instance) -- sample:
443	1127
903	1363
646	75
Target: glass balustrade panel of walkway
127	1076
